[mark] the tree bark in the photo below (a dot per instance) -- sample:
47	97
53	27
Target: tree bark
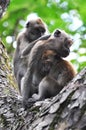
66	111
3	5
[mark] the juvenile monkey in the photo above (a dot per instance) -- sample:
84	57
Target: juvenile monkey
47	72
33	30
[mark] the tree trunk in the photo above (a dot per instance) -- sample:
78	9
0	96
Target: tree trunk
3	5
66	111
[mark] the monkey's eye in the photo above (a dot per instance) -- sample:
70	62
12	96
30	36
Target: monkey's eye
57	33
27	24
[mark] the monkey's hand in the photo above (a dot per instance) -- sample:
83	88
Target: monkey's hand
35	97
27	50
28	103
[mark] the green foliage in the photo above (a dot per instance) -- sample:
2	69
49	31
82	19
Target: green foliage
65	14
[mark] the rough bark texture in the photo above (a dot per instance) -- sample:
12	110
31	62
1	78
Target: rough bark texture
3	6
66	111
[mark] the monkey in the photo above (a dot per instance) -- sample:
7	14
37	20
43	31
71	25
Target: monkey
34	29
47	71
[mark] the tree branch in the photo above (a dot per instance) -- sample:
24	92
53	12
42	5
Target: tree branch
3	5
65	111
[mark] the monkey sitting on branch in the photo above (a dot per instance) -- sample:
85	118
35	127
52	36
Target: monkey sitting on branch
34	29
47	71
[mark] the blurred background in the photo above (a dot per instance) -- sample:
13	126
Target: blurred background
69	15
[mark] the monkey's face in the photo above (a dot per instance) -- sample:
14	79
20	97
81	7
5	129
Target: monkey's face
35	29
62	42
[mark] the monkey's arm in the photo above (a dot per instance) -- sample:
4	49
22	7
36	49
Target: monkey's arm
27	50
47	88
26	87
34	59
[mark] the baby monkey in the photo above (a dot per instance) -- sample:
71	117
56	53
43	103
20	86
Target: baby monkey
33	30
47	71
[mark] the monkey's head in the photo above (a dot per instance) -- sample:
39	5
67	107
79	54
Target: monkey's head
62	42
35	29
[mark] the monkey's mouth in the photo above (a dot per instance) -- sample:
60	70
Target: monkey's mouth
64	52
66	47
68	43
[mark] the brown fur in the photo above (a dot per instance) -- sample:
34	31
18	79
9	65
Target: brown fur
33	30
47	72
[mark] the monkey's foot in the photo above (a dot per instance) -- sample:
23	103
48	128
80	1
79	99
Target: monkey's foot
36	97
31	100
27	104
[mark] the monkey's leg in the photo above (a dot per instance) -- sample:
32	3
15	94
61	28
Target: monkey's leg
19	78
48	87
26	87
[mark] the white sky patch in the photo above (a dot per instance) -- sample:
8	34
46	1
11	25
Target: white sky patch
73	18
65	17
32	16
9	39
77	42
52	22
76	23
81	59
4	33
5	24
14	44
64	4
84	37
76	45
72	56
82	50
22	23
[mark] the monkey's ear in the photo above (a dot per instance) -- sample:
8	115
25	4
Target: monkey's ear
57	33
39	21
27	24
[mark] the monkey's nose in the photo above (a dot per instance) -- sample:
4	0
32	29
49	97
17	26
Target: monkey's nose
68	42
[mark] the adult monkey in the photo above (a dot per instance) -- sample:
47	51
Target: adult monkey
47	72
34	29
